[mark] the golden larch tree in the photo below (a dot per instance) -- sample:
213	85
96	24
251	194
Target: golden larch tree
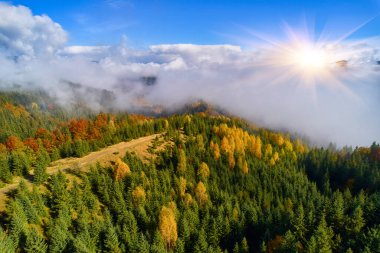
231	160
257	147
203	170
181	166
276	157
138	195
182	187
251	143
215	148
268	150
168	227
224	145
201	193
242	164
200	144
245	167
288	146
121	170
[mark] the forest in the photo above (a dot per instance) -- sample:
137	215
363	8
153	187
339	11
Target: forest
214	183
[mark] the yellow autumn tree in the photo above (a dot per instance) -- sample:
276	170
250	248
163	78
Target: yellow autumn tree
200	144
272	162
223	129
245	169
121	170
201	193
215	148
231	142
243	165
182	187
231	160
288	146
224	145
181	166
138	196
188	199
268	150
276	156
300	147
257	148
251	144
168	227
239	145
203	170
277	139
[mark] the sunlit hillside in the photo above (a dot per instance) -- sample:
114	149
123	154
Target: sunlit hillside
208	183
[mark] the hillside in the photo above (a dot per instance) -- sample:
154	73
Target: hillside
223	185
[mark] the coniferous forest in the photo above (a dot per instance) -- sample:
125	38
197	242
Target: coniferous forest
213	183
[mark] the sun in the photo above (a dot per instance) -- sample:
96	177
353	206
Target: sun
305	58
311	59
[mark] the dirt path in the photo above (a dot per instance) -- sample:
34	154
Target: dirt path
104	157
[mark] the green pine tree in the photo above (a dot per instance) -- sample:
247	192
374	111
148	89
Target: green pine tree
244	246
35	243
40	174
7	245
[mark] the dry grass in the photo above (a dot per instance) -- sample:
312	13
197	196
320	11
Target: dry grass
105	156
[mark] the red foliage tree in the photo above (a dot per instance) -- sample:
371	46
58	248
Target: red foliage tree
101	121
78	128
32	143
13	143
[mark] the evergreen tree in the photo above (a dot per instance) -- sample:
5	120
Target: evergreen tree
35	243
244	246
321	241
158	245
201	245
6	243
111	241
5	172
40	174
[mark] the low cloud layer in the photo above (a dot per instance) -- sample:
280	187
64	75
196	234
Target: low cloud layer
341	106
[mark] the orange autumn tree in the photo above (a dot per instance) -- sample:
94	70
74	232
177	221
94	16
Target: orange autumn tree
78	128
32	143
46	137
17	111
13	143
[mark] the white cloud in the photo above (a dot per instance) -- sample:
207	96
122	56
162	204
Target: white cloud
199	54
84	50
23	34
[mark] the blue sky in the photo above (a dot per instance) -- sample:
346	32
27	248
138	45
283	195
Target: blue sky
145	23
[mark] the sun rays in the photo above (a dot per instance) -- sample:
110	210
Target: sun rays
306	59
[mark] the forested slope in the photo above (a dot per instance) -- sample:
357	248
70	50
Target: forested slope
223	186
